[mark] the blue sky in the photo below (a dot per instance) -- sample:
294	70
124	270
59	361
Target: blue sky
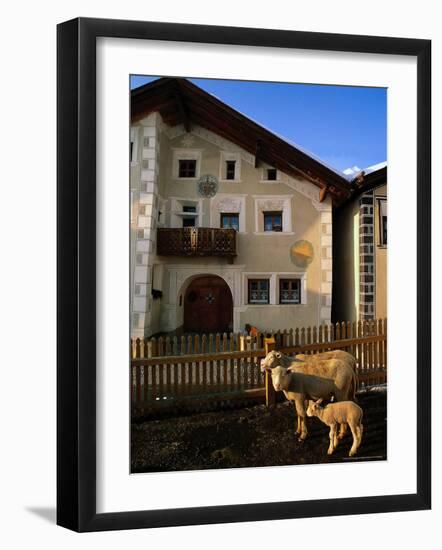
344	126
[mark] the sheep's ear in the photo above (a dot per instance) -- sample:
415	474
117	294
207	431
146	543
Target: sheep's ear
319	401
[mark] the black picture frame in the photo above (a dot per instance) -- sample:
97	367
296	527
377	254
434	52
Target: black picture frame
76	274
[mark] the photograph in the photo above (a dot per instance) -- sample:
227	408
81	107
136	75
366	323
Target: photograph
258	273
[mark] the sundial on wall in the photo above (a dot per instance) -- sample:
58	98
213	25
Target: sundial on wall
207	186
301	253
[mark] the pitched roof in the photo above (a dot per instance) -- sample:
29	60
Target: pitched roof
369	178
181	102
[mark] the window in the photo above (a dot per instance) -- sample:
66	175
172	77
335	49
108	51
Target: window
382	222
230	169
189	221
187	168
230	221
289	291
271	174
384	230
258	291
273	221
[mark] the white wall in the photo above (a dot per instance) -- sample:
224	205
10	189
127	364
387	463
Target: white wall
27	286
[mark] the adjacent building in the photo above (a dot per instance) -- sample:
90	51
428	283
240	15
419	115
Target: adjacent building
360	241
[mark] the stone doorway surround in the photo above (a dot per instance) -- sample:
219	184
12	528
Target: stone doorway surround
178	278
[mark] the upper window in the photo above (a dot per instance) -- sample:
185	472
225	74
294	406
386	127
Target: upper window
230	169
190	219
133	151
230	221
273	221
289	291
383	222
259	291
384	230
187	168
230	166
270	174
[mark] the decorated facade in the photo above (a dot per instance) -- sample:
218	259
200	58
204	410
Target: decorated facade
230	224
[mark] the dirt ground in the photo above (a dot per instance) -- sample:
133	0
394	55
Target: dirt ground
248	437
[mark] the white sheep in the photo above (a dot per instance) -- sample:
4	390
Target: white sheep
343	412
321	380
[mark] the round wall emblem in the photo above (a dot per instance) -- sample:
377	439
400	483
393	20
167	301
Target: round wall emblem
207	186
301	253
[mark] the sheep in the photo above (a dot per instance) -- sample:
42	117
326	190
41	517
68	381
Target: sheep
277	358
337	369
338	413
312	382
335	354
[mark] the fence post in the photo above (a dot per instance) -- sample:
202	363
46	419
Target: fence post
269	345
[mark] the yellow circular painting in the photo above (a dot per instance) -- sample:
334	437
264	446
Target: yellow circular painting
301	253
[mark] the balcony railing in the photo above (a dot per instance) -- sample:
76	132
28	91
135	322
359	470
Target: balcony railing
196	241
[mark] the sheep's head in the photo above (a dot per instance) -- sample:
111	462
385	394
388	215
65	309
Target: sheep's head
280	378
314	407
271	360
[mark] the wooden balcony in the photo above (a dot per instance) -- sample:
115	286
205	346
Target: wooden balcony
196	241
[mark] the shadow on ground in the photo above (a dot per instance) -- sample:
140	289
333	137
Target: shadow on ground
250	437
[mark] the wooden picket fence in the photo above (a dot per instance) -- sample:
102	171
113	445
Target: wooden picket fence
199	370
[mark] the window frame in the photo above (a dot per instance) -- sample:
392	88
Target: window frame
180	161
382	243
273	213
250	281
290	280
229	215
273	170
230	162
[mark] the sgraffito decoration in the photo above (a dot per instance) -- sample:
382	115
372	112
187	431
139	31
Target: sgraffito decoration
302	253
207	186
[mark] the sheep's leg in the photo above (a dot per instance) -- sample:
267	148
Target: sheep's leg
332	436
354	447
303	428
297	420
300	410
342	431
360	429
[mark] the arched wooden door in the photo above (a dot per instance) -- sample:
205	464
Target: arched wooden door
208	305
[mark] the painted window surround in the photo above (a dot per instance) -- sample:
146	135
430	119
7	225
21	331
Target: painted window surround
223	158
177	214
264	179
228	203
186	154
274	278
273	203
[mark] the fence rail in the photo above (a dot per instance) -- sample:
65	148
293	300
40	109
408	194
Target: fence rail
175	372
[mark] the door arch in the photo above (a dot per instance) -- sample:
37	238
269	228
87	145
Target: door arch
208	305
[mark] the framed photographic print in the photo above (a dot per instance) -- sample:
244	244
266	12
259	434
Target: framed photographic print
239	213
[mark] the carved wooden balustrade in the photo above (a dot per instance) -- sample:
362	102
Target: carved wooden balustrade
196	241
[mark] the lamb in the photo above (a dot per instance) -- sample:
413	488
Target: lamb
339	413
313	382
